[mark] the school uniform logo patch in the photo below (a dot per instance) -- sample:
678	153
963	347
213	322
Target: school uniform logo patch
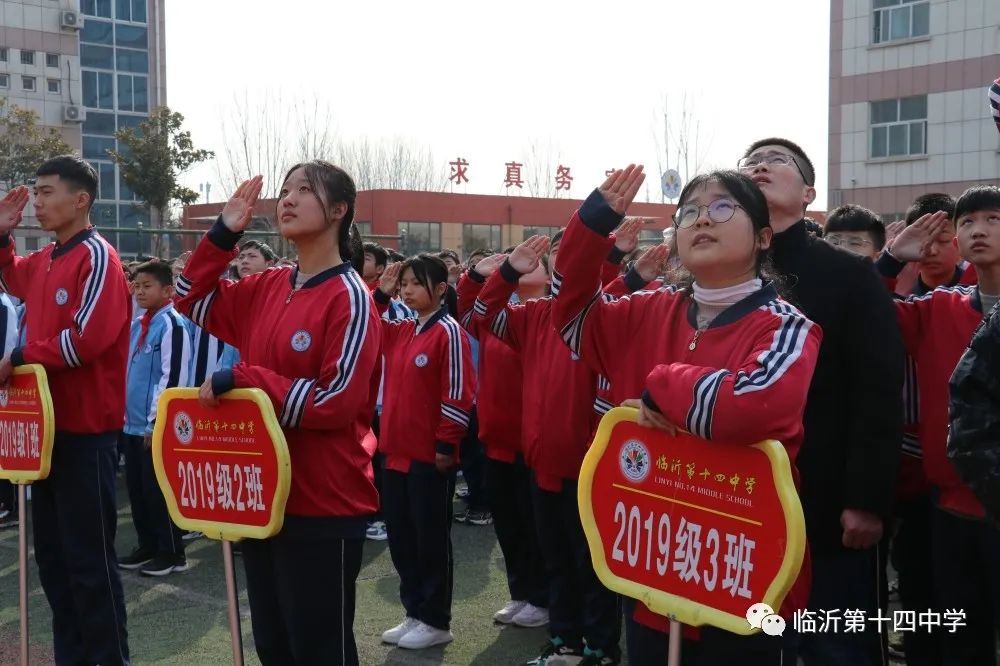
183	428
301	340
61	296
421	360
633	459
148	349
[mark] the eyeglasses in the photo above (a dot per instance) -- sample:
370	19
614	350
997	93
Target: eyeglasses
719	211
751	162
851	242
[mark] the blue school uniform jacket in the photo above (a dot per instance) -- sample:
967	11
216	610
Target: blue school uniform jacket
161	361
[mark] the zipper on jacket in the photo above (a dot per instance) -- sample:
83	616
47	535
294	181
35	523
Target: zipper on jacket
694	340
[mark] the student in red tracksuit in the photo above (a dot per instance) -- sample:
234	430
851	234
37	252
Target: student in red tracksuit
500	383
937	327
429	388
309	337
78	308
726	358
557	423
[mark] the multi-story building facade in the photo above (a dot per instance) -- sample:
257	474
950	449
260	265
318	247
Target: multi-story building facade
87	68
908	109
123	64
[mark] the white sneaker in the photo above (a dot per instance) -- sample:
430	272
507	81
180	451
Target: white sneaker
376	531
531	616
406	626
425	636
506	615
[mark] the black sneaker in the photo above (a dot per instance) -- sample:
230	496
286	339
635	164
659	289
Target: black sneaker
597	658
135	559
554	647
163	565
480	518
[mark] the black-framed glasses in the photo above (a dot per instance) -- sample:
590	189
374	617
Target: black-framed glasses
719	211
751	162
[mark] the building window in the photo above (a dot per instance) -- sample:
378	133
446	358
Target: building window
4	80
28	83
97	32
100	8
132	93
97	57
96	147
900	19
131	10
364	228
105	180
27	57
98	90
899	127
133	61
102	124
4	54
52	60
53	86
417	237
131	36
538	231
480	237
650	237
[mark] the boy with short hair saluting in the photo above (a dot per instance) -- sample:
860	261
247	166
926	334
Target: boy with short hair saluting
78	309
937	328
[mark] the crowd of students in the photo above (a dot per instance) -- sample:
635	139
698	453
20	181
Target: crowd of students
390	374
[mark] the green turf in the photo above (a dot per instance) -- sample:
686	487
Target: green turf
181	619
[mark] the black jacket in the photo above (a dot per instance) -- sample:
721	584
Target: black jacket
974	437
854	412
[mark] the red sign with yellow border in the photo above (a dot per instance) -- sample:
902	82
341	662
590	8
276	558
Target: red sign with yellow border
27	429
225	470
698	531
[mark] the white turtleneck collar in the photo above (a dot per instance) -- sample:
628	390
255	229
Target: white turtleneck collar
713	302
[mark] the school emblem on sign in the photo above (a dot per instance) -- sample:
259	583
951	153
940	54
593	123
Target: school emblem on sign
301	340
634	461
420	360
183	428
61	296
3	397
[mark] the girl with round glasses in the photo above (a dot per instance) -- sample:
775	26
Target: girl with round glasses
721	356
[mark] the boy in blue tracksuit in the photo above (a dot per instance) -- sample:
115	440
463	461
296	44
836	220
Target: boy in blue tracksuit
159	358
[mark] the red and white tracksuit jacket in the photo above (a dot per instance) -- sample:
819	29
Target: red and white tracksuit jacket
429	388
558	396
937	327
741	380
500	382
78	311
315	351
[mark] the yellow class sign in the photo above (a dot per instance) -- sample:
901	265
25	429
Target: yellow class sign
224	470
27	429
698	531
